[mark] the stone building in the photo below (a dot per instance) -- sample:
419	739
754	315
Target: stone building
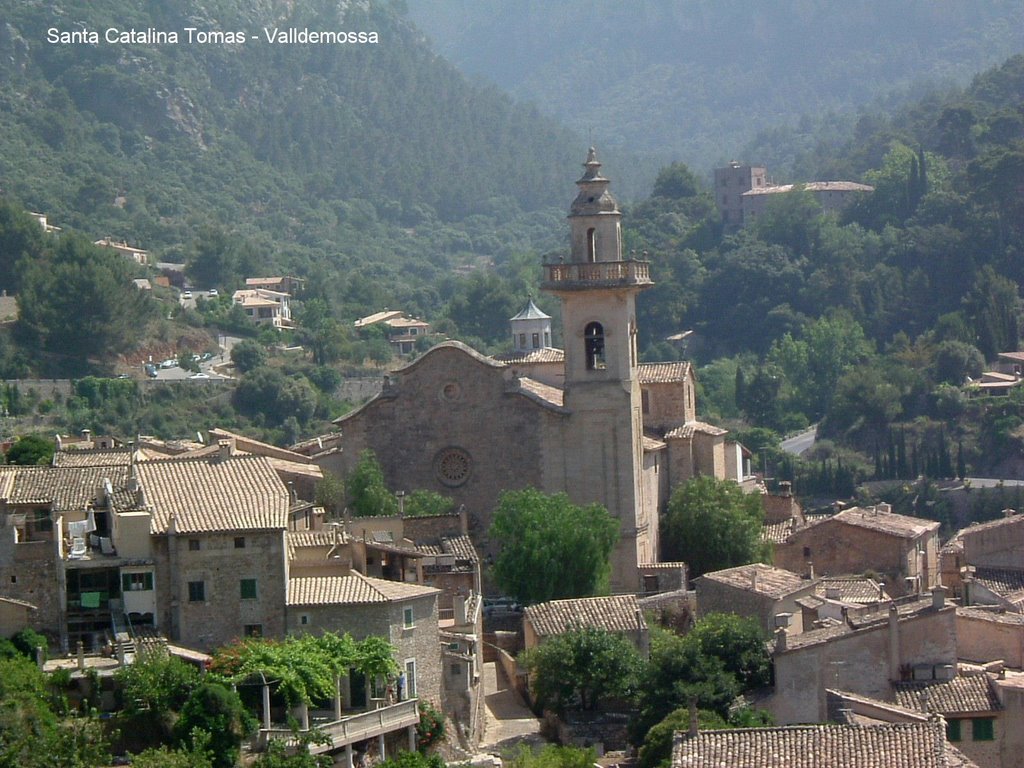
594	423
831	196
865	655
730	184
620	614
769	595
903	550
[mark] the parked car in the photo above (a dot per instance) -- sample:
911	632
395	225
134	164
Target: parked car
151	370
212	293
186	294
171	362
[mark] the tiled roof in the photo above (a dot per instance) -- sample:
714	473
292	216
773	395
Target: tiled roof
774	583
690	428
545	355
870	619
997	617
663	373
651	445
961	695
101	457
892	745
884	522
545	392
326	539
532	312
811	186
854	589
1010	521
204	495
67	488
1006	582
460	546
618	613
354	589
777	532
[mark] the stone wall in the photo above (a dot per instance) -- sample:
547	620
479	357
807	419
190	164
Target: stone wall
223	615
716	597
984	636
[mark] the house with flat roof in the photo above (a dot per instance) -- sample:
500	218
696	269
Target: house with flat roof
265	307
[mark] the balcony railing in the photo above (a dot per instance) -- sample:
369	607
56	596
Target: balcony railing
350	729
598	274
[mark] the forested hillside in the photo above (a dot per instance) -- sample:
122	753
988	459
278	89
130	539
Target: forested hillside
362	166
873	321
693	80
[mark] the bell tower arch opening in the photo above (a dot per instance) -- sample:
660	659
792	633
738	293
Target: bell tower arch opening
593	342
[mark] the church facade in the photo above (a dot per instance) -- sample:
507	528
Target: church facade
589	420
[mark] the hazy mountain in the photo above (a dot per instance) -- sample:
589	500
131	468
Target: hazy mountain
693	80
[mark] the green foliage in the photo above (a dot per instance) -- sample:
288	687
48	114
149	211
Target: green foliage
277	397
195	756
247	355
304	667
279	754
656	751
79	300
368	495
31	449
216	713
414	760
581	669
425	502
27	641
157	682
330	494
551	548
550	756
676	181
430	730
738	642
712	524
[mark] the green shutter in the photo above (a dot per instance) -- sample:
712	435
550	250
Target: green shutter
953	730
983	728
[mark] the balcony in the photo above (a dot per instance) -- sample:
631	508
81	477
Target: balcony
581	276
347	730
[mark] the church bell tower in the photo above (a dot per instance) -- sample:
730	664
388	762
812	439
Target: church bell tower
597	288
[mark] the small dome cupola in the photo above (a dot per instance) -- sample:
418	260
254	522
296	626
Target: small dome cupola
531	329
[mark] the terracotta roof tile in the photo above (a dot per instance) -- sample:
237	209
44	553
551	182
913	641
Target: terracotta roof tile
876	519
354	589
545	392
663	373
997	617
1005	582
67	488
961	695
690	428
870	619
892	745
204	495
851	590
114	457
774	583
618	613
546	355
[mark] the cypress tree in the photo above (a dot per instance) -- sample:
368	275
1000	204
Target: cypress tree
961	465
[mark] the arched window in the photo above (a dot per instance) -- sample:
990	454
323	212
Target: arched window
593	339
591	245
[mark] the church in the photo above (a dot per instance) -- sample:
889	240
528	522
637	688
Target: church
590	420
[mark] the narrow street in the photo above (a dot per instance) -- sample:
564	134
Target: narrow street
509	721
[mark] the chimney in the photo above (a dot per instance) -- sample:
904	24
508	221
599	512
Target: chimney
224	450
894	643
781	640
1009	512
785	489
810	570
938	597
753	579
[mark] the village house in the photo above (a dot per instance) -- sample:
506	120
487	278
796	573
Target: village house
282	284
264	307
762	592
619	614
892	745
402	330
586	432
831	196
137	255
864	654
902	550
